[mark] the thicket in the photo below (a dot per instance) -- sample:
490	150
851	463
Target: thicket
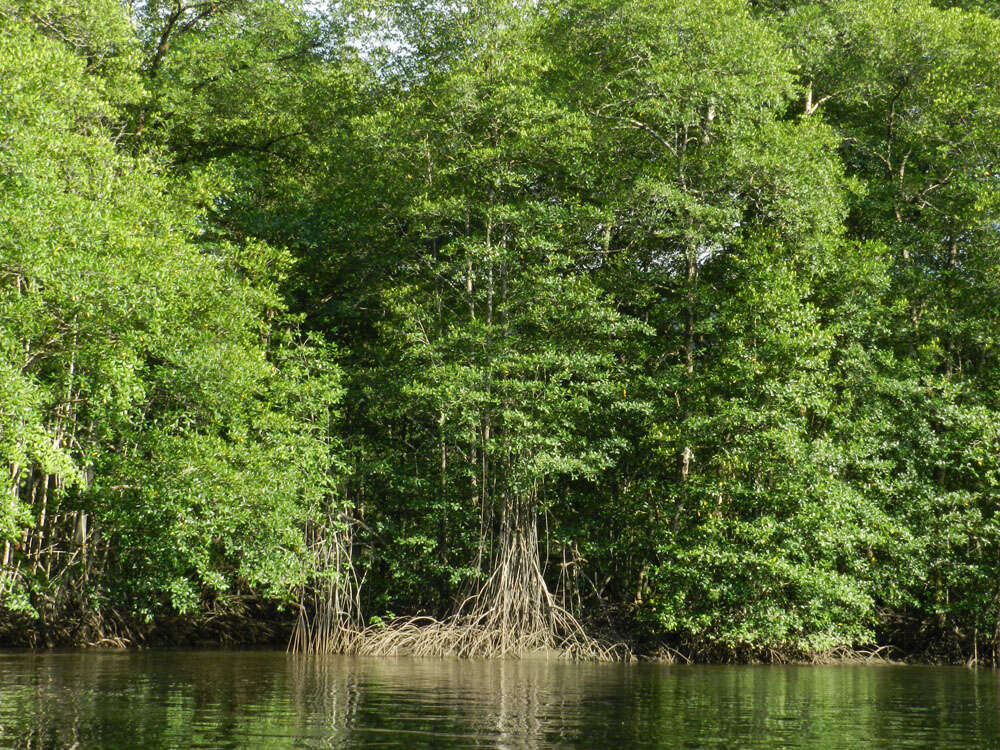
480	328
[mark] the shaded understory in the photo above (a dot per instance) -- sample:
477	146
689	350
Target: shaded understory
612	638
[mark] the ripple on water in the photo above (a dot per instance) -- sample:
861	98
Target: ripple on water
222	699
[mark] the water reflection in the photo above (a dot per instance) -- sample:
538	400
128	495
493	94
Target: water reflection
268	699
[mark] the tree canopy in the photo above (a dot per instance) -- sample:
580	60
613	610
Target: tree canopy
484	327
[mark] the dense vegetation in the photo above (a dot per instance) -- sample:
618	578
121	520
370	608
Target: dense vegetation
447	327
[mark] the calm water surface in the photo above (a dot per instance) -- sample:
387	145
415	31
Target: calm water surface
265	699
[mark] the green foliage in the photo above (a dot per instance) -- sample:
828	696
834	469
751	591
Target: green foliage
706	289
152	382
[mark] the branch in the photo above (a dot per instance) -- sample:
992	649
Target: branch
640	125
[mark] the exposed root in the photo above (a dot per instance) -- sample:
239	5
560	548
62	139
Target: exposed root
476	637
848	655
668	655
512	614
329	606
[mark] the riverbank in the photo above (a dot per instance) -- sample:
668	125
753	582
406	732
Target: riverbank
273	628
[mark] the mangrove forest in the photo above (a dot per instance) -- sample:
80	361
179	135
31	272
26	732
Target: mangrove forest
497	327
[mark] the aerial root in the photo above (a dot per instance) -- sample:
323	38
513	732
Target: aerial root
475	636
847	654
486	633
512	614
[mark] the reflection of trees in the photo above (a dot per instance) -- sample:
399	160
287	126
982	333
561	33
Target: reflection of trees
325	692
409	702
268	699
148	700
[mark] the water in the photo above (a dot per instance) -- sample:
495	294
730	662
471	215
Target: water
230	699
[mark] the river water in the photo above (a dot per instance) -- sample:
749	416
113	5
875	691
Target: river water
236	699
